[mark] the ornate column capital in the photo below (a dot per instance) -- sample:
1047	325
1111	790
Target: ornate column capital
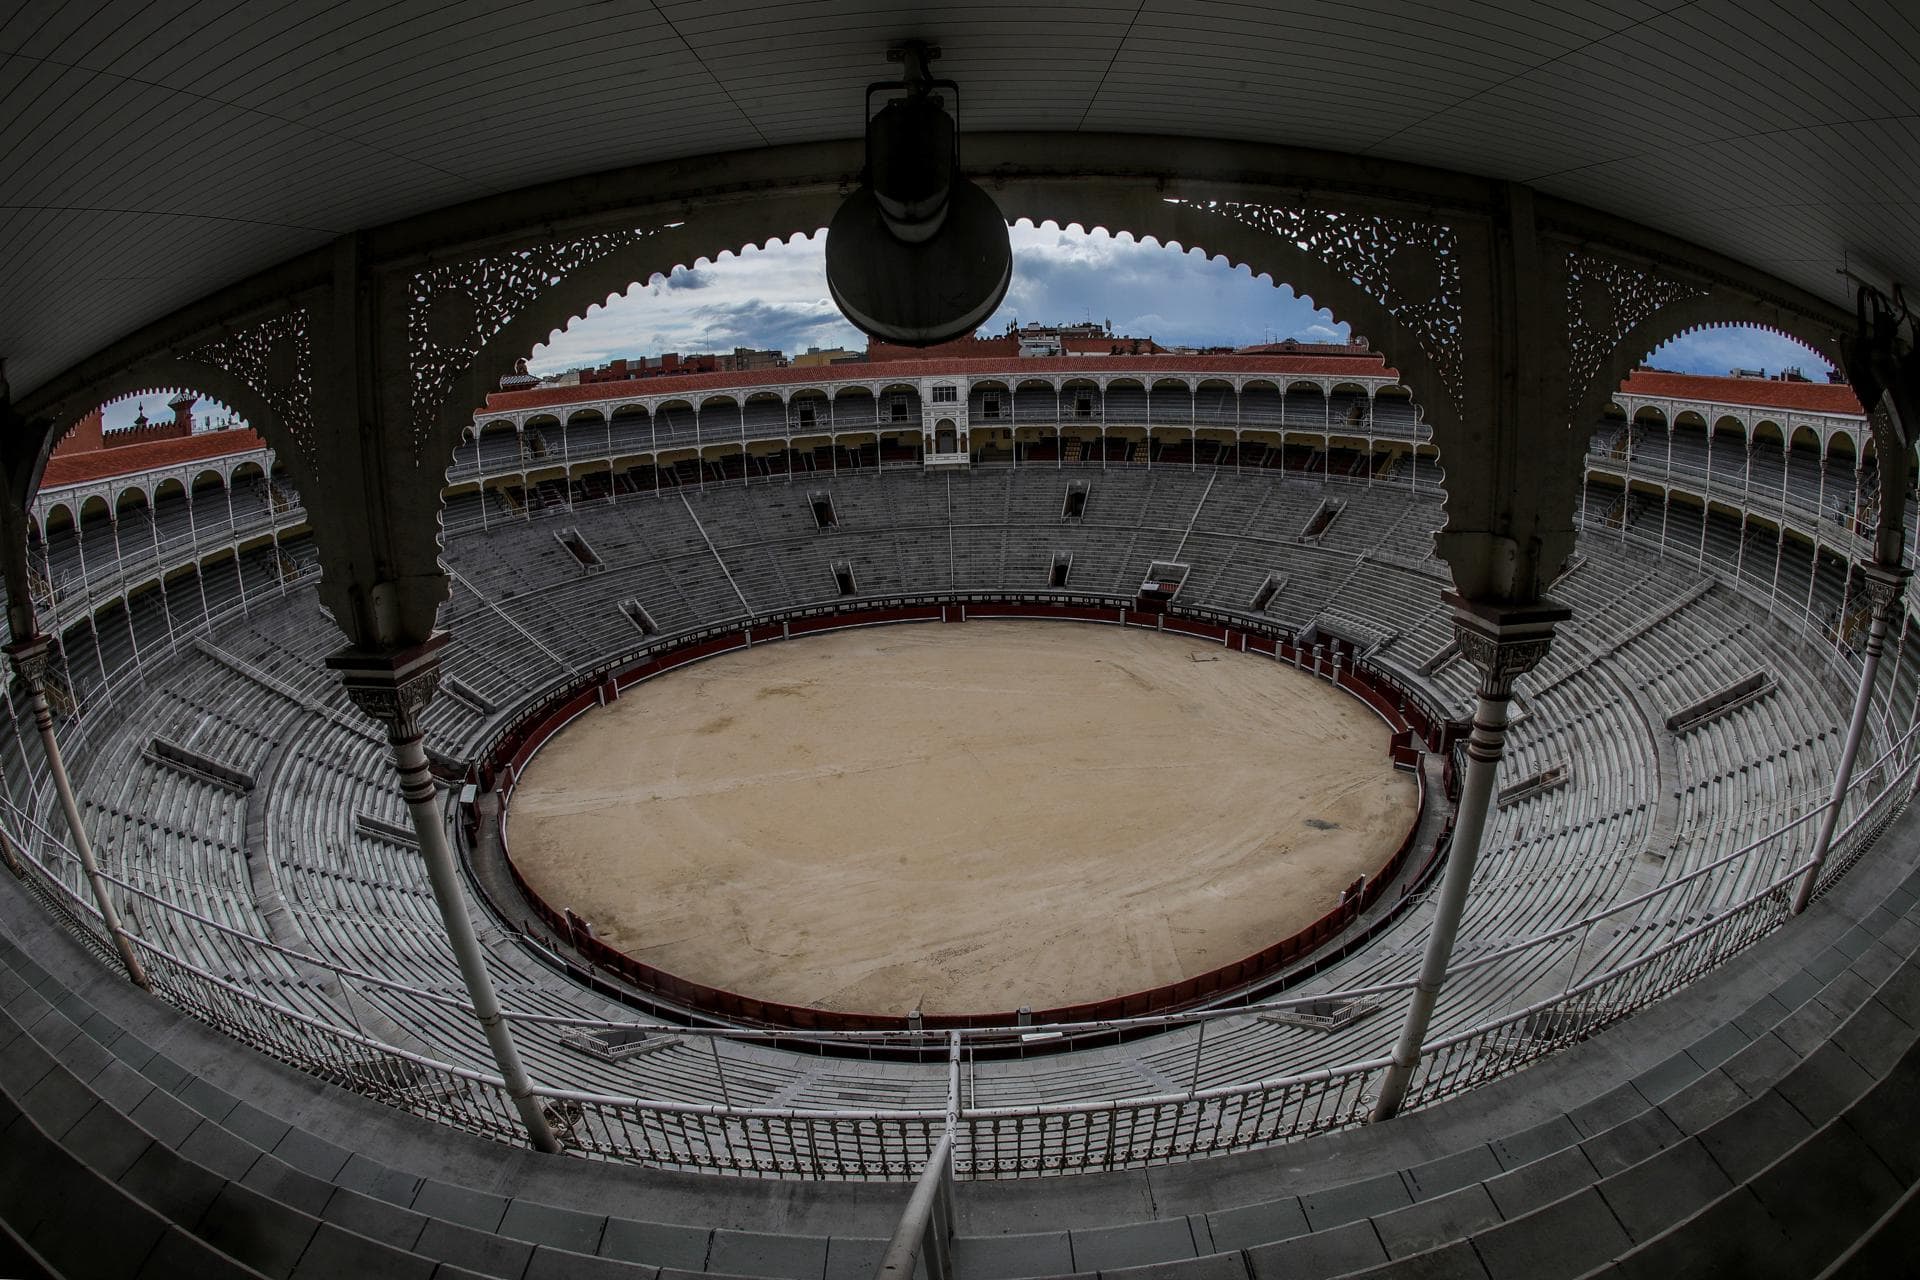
1884	585
32	658
392	687
1504	641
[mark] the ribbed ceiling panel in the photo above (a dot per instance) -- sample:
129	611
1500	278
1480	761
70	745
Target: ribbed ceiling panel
156	149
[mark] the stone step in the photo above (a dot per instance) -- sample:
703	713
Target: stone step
1604	1179
222	1183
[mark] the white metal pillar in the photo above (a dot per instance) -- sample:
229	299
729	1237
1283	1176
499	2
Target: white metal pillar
393	689
1504	644
31	659
1884	586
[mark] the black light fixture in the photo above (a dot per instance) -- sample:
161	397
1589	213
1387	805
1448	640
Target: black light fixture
918	255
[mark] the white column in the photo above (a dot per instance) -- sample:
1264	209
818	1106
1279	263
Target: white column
393	689
1884	585
1504	644
1779	558
31	658
613	479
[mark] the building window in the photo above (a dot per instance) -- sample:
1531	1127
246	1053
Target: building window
897	407
945	395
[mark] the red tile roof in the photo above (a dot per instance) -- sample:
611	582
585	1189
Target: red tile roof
1808	397
98	464
1360	366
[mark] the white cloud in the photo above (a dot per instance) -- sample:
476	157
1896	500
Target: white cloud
772	297
777	297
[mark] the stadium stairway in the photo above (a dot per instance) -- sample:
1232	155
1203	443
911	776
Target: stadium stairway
1783	1138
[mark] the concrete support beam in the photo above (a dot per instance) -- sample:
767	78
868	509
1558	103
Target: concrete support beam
24	446
1513	467
371	496
1883	360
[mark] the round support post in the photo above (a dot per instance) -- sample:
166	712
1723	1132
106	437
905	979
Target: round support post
393	689
1883	586
31	658
1503	644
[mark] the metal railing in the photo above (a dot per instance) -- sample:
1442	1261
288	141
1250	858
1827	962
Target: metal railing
1454	1063
925	1233
1596	970
113	573
631	441
1690	933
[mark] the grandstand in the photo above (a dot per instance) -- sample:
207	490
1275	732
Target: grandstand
245	817
1627	989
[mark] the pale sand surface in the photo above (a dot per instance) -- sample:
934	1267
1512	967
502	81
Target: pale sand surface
963	818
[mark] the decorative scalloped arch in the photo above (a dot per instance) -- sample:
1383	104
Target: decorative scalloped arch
1714	309
1395	278
167	376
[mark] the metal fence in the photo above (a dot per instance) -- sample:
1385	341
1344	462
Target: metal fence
1607	965
1682	932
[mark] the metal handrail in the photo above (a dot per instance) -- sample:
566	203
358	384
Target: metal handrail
966	1132
925	1232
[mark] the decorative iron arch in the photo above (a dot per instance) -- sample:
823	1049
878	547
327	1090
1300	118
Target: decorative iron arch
1398	277
165	375
1671	309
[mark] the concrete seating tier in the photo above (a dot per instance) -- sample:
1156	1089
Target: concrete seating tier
1761	1123
525	613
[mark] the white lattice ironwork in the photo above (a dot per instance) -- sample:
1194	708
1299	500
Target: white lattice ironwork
454	310
1409	266
274	357
1605	300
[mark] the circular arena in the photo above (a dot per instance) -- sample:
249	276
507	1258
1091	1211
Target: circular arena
746	824
1047	803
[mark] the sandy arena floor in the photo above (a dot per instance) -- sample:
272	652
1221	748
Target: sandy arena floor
962	818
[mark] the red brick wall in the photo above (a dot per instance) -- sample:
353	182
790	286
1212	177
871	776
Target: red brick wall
84	438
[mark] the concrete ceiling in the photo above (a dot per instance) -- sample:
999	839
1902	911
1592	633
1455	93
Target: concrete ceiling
154	150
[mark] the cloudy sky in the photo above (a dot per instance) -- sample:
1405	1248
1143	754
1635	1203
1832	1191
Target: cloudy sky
777	297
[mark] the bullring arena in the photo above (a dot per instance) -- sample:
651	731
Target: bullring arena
1666	767
961	819
601	688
